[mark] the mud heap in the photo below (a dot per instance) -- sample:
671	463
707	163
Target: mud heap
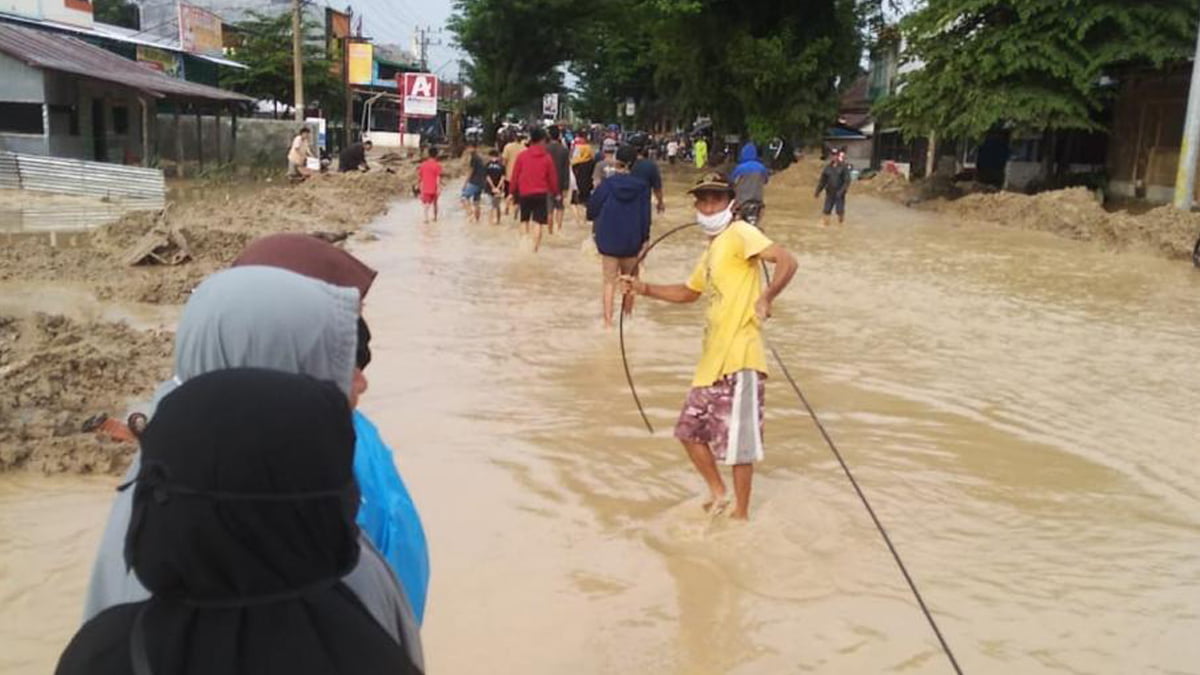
55	373
217	222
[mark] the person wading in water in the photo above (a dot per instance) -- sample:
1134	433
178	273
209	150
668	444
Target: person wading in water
722	417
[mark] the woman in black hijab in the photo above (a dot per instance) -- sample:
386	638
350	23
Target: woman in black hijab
243	527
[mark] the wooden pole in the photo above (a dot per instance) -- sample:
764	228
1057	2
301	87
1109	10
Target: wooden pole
145	131
297	60
180	172
233	137
217	139
199	138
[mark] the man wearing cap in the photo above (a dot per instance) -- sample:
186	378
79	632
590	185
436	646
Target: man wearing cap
835	181
722	416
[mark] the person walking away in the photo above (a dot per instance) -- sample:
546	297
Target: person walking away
722	417
700	152
835	182
750	179
497	186
620	209
583	163
647	169
473	187
672	151
354	157
534	184
511	151
298	154
605	167
242	532
562	163
429	175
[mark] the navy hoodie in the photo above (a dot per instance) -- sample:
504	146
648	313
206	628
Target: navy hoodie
620	209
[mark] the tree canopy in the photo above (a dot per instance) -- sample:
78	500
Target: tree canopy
266	49
1034	64
117	13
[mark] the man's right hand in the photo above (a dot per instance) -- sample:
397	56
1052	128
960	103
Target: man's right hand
631	285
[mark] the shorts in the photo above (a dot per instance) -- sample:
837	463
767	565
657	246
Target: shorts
726	414
835	202
497	199
557	202
472	192
294	169
613	266
429	197
535	207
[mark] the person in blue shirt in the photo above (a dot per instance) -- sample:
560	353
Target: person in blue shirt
647	169
750	178
620	211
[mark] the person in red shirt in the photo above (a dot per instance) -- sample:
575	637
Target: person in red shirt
429	175
534	184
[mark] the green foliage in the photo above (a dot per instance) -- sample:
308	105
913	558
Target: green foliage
117	13
266	50
1034	64
515	48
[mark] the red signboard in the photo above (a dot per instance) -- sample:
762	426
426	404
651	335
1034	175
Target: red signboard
420	91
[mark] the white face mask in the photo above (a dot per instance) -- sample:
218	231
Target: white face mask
717	222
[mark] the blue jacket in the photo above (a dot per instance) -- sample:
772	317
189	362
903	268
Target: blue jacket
387	514
748	163
620	209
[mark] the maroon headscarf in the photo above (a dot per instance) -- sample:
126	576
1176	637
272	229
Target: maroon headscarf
310	256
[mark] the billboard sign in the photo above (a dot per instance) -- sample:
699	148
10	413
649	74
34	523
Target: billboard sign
167	63
550	106
362	62
200	30
420	94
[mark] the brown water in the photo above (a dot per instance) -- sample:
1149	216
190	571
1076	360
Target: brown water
1023	411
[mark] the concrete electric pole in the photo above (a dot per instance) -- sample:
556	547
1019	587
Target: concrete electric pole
1185	176
298	59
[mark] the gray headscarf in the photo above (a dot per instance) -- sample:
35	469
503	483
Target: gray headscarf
262	317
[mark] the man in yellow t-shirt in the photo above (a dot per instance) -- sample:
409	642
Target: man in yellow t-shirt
722	417
509	154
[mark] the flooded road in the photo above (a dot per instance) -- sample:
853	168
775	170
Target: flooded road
1023	411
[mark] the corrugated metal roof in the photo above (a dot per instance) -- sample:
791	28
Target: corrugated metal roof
66	54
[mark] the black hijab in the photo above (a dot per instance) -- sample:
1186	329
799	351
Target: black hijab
242	529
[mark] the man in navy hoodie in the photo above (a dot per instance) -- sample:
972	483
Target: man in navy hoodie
620	211
750	178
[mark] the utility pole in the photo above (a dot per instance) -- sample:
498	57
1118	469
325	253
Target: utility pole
423	42
1185	176
347	135
298	60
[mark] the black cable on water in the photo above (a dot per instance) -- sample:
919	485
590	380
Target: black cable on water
912	585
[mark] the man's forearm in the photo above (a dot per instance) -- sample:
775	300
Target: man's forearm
670	292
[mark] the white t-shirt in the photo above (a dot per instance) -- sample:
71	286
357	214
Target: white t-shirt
672	148
299	152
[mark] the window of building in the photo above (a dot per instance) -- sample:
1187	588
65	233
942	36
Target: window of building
120	120
21	118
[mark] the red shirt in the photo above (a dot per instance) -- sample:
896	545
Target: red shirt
430	172
534	173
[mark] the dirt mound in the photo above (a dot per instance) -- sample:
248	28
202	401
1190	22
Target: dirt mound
218	223
1077	213
55	373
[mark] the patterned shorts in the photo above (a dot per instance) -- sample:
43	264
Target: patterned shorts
727	414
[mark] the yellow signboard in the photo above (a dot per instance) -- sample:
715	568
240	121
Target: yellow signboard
199	30
362	62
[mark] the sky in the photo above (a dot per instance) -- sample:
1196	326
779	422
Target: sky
393	22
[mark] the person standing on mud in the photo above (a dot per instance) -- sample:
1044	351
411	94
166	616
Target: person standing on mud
562	163
429	175
835	181
620	208
298	154
534	184
722	416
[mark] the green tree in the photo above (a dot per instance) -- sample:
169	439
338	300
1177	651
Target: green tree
266	49
117	13
515	48
1035	64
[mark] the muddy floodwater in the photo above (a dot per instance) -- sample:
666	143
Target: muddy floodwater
1024	412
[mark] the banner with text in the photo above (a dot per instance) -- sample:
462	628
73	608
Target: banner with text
420	94
200	31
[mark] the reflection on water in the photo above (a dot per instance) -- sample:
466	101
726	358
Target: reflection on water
1021	410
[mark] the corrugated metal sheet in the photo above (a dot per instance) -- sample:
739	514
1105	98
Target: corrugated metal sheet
10	178
66	54
143	189
59	218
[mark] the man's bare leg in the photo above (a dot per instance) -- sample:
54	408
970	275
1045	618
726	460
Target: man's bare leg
610	290
537	236
742	476
702	458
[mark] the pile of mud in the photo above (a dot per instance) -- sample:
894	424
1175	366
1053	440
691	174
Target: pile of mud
55	373
217	224
1078	214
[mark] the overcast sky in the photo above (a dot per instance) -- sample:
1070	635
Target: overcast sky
393	21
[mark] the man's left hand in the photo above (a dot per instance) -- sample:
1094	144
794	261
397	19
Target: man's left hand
762	308
662	207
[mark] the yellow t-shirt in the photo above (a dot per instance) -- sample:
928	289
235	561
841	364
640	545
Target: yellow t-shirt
510	153
730	274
